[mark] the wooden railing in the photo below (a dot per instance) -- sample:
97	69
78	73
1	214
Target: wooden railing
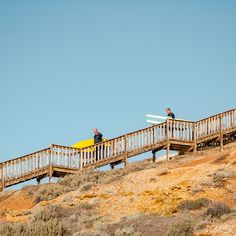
214	125
187	132
25	165
126	144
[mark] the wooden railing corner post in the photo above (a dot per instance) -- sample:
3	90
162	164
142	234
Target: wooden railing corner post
195	138
221	133
2	178
126	151
50	162
167	139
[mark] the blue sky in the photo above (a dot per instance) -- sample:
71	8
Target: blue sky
69	66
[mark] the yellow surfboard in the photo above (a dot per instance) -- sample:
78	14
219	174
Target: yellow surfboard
85	143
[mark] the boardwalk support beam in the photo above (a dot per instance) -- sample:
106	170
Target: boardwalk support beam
125	160
154	156
38	181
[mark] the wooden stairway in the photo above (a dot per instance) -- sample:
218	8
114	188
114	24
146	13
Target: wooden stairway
178	135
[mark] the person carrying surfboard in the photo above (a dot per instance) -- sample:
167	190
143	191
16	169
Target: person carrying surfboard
170	113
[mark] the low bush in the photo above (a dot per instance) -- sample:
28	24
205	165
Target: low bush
86	205
184	227
47	192
201	225
221	174
217	209
194	204
88	221
87	179
127	231
45	222
78	180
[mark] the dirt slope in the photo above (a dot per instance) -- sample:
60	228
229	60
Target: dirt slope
152	193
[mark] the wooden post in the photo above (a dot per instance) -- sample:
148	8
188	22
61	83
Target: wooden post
39	160
125	152
50	163
153	156
38	181
81	159
19	168
167	140
2	177
221	133
195	138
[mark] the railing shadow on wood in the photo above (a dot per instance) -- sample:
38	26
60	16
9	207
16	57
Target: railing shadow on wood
133	143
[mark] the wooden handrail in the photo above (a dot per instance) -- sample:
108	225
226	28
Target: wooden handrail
17	158
233	109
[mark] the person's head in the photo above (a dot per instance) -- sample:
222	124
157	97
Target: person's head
168	110
95	130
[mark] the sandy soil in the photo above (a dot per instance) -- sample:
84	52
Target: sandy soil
158	190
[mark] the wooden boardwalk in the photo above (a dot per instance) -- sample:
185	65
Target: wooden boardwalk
178	135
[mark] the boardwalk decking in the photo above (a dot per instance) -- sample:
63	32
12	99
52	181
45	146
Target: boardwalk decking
175	134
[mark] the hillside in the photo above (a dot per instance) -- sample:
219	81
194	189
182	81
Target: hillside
187	194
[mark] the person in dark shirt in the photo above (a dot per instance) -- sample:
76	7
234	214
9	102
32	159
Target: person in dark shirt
170	113
97	136
98	149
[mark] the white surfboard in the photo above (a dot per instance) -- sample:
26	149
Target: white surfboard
154	119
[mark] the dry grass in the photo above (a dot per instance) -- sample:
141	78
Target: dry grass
87	179
86	205
6	194
83	181
221	175
127	231
217	209
194	204
44	222
47	192
184	227
221	158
